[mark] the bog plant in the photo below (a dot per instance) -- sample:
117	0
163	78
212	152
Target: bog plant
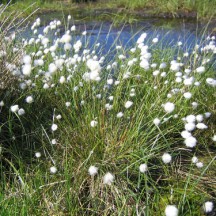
83	134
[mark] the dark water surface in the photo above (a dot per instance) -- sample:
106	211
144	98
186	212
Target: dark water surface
168	31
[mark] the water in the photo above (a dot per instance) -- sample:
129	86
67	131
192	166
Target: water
170	31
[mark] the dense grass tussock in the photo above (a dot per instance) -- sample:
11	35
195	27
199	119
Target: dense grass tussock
83	134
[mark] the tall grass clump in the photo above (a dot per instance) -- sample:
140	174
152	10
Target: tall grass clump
87	134
203	9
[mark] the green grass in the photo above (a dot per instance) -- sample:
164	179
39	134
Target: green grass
171	8
116	145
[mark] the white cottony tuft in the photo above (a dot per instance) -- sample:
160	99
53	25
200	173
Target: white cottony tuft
53	141
199	118
201	126
66	38
194	105
194	159
1	103
120	114
29	99
169	107
52	68
53	169
62	79
68	104
156	121
143	168
155	40
93	170
208	206
54	127
73	28
93	123
191	118
166	158
190	126
27	59
37	154
185	134
211	82
171	210
200	69
93	65
14	108
27	69
207	114
187	95
199	165
128	104
190	142
108	178
21	112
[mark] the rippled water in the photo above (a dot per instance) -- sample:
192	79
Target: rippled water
169	31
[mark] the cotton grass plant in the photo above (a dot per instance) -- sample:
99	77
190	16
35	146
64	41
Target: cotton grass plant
91	135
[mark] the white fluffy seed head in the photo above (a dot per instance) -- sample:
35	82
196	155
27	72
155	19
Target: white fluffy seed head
67	104
29	99
143	168
194	159
21	112
190	142
93	123
208	206
93	65
185	134
190	126
200	69
166	158
108	178
128	104
171	210
93	170
73	28
120	115
67	46
201	126
155	40
26	69
207	114
66	38
187	95
53	141
199	118
169	107
37	154
52	68
54	127
27	59
53	169
14	108
194	105
199	165
191	118
156	121
58	117
62	79
110	81
1	103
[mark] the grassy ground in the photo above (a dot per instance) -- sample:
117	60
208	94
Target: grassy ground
82	109
172	8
